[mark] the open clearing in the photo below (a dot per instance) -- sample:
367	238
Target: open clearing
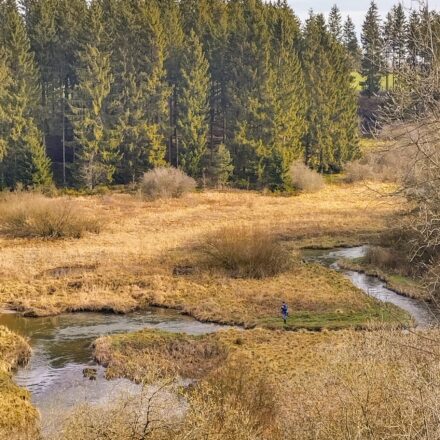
147	254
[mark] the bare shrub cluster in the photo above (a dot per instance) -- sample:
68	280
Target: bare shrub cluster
155	413
389	259
394	165
305	179
249	252
235	403
163	183
34	215
376	385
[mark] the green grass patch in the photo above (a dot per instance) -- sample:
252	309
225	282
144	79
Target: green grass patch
358	79
378	315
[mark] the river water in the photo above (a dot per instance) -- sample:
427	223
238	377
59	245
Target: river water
419	310
61	349
61	345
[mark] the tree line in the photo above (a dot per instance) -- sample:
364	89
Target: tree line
391	46
97	92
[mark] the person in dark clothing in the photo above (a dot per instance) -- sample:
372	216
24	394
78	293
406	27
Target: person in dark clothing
284	312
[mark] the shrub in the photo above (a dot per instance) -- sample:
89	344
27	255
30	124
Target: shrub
34	215
359	171
162	183
246	252
305	179
393	165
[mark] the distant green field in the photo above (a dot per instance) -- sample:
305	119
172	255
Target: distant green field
358	79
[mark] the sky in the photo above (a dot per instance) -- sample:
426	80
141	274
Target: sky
355	8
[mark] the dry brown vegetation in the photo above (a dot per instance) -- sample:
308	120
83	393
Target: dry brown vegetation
304	178
34	215
137	260
149	356
18	418
163	183
247	252
280	385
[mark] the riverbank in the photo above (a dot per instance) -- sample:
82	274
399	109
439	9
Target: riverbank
147	254
403	285
310	385
18	418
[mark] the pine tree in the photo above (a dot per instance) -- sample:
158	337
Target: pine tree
250	98
372	56
193	107
332	137
218	166
96	144
351	43
335	23
288	88
25	160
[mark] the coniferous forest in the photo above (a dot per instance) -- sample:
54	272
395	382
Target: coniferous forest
235	91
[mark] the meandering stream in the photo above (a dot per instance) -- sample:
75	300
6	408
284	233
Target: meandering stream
422	315
62	345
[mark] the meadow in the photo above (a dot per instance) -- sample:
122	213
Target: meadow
149	253
186	254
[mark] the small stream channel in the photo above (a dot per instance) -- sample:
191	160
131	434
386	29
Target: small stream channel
422	315
62	344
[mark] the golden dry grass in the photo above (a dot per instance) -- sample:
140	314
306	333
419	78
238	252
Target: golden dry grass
131	263
18	418
332	385
34	215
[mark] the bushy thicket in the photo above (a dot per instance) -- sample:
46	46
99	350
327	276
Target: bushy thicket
163	183
249	252
34	215
304	178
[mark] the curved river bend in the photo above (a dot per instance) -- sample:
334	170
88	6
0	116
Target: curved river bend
422	315
61	349
62	344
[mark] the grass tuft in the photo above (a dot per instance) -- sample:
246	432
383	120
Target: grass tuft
30	215
247	252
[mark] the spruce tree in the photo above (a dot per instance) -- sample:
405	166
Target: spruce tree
193	107
332	136
335	23
218	166
25	161
388	48
351	43
95	141
413	39
289	103
372	50
250	98
399	36
5	100
140	93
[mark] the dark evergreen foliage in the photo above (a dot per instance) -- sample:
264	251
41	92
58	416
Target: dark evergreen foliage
227	90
